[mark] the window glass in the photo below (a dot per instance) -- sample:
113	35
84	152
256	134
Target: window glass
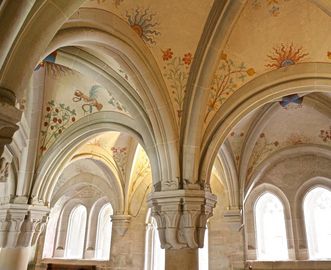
76	233
158	252
154	254
102	247
270	228
317	212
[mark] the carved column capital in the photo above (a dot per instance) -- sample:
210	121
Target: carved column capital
181	216
21	225
120	223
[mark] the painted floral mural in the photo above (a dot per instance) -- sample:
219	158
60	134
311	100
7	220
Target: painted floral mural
176	71
57	118
229	76
62	110
236	139
120	157
262	148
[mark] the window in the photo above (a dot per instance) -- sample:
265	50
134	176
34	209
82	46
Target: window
270	228
154	254
203	253
74	247
102	247
317	212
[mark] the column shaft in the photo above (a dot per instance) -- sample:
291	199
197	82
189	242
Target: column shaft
182	259
14	258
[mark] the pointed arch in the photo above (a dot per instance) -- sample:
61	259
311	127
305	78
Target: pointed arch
300	78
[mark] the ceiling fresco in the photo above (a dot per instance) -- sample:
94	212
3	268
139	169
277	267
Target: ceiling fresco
284	35
171	36
287	127
68	97
279	30
291	125
122	155
238	135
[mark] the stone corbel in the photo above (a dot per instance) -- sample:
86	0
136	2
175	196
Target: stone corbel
4	168
181	216
120	223
234	219
9	117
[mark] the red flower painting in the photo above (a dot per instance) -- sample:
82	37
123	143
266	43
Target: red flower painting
187	59
167	54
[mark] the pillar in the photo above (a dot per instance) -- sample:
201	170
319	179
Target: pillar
14	258
121	245
182	259
181	217
20	227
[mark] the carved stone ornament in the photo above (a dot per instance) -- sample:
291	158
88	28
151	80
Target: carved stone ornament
4	167
21	225
181	216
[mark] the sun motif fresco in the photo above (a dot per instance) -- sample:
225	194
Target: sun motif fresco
144	23
161	28
285	55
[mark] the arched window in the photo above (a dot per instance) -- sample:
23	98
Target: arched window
154	254
203	253
270	228
317	212
102	247
74	248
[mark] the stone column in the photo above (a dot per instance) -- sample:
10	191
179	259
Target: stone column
9	117
181	217
182	259
20	227
121	255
